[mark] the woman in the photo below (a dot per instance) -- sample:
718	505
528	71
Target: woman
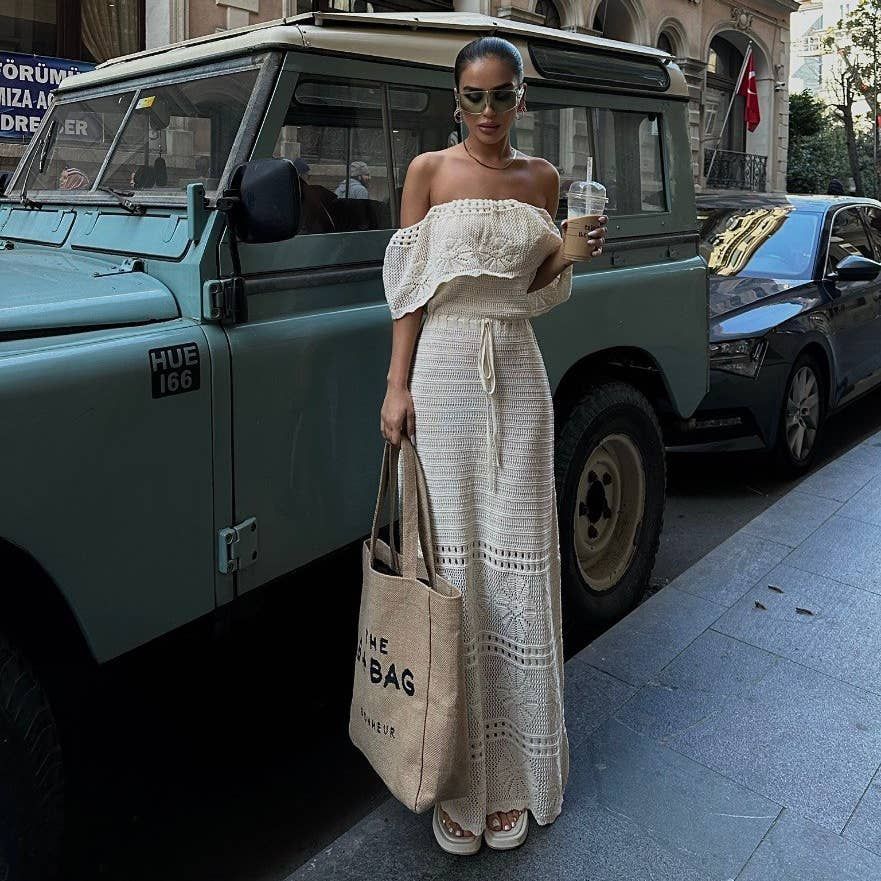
478	250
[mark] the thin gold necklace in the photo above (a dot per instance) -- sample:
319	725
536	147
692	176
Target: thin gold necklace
493	167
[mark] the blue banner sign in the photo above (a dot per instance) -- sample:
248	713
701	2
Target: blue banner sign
26	82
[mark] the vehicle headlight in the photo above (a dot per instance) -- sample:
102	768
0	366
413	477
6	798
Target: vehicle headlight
743	357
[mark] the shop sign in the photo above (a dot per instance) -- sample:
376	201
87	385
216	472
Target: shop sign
26	82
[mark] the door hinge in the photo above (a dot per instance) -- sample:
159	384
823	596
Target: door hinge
225	299
237	546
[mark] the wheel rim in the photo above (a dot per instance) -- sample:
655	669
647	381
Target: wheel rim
608	510
802	413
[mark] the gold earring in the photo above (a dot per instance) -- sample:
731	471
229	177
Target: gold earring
457	114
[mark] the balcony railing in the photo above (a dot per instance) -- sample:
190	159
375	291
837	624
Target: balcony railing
736	171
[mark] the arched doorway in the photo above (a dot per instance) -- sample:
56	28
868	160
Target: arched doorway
744	157
549	12
613	19
724	61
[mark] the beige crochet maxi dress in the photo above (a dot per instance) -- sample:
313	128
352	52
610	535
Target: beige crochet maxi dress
484	432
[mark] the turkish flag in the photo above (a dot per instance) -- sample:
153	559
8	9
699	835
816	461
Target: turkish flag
751	114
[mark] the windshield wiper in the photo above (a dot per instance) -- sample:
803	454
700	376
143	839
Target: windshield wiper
122	198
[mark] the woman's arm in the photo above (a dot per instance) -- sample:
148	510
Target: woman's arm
398	412
555	263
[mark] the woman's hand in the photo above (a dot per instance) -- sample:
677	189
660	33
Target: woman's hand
598	236
397	414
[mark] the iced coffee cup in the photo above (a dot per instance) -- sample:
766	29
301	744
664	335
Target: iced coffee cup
587	204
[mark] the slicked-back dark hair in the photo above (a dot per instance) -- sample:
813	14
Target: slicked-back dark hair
489	47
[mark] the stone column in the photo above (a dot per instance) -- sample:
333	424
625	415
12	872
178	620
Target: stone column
694	71
165	22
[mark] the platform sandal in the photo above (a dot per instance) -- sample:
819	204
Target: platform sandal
507	839
455	844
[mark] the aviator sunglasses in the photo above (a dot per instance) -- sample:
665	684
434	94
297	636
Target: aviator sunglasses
475	101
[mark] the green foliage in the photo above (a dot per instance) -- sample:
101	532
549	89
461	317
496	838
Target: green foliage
807	115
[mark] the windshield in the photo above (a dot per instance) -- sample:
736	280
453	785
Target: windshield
156	139
766	242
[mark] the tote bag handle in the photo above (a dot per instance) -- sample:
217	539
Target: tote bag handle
415	515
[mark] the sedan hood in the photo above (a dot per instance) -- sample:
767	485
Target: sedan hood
729	293
747	307
43	291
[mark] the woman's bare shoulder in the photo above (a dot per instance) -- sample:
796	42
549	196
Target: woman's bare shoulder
546	179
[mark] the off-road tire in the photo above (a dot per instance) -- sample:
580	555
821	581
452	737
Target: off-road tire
609	408
31	775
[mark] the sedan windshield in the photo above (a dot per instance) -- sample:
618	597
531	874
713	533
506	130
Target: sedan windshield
763	242
156	139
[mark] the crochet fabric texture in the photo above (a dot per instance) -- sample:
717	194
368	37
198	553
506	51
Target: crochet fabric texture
484	432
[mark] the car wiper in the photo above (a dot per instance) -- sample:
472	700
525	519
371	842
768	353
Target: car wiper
122	198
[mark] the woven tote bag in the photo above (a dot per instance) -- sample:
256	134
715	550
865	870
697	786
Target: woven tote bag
408	713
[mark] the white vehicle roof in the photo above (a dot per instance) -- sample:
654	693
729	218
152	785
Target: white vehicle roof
422	38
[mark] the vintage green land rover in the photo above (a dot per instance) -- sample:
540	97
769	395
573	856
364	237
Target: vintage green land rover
194	337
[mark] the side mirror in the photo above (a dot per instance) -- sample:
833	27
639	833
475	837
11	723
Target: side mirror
857	268
264	201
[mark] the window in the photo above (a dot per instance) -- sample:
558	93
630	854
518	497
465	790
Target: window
555	62
174	135
873	218
625	146
563	136
334	134
180	134
848	237
417	128
75	144
629	160
762	242
665	44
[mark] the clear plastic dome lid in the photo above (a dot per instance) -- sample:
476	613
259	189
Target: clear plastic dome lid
582	189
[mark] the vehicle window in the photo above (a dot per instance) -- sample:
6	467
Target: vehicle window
629	160
766	242
422	120
79	136
873	218
848	236
180	134
625	146
334	134
563	136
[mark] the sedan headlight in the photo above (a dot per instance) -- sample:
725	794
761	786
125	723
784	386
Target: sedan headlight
743	357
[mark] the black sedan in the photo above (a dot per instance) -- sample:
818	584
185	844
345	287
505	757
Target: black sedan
794	329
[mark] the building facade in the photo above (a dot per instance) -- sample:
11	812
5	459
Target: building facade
708	38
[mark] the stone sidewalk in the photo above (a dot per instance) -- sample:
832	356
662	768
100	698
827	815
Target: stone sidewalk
728	728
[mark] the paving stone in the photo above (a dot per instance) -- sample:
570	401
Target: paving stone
591	696
725	574
684	805
585	842
791	734
843	550
864	827
791	519
866	504
651	635
797	850
842	638
842	478
391	843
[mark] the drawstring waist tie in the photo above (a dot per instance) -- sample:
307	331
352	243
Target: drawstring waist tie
486	369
